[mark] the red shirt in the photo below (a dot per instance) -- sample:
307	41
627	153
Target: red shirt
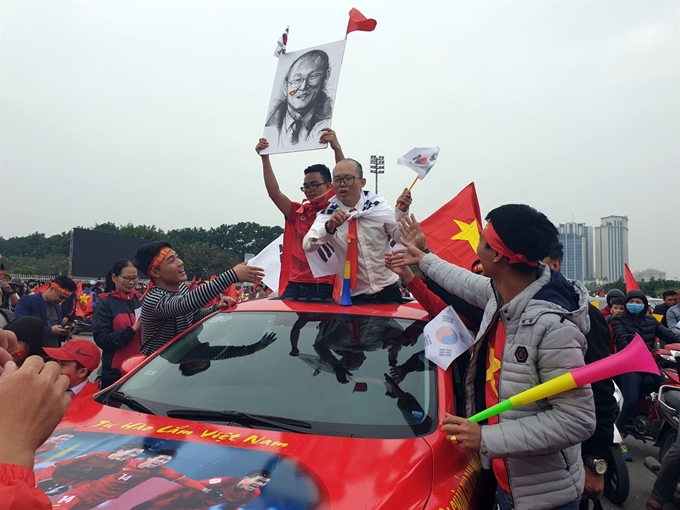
493	376
18	490
300	223
181	498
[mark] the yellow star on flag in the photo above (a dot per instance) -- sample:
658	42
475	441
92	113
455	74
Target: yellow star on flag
83	299
494	366
468	232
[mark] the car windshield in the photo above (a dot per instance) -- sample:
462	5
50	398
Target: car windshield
349	375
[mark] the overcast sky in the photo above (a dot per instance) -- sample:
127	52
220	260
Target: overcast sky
149	111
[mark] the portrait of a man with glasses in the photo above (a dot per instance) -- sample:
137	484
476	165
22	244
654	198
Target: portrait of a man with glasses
301	104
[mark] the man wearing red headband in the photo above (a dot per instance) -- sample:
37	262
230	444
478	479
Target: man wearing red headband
532	331
47	306
169	307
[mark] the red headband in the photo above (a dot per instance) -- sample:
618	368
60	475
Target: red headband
498	245
61	290
160	257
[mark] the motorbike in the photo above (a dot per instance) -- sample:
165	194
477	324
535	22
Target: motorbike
82	325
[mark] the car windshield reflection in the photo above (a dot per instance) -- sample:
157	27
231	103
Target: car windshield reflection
346	375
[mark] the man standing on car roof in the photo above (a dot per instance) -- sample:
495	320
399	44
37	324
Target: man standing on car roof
532	331
169	307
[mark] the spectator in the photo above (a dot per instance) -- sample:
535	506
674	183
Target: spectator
168	308
670	299
77	359
30	335
10	296
673	316
372	227
47	306
614	293
617	307
25	423
98	288
89	300
595	450
625	326
116	328
532	331
299	218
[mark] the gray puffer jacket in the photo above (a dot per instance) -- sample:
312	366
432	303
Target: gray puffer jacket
545	327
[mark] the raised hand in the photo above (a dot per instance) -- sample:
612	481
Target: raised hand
411	232
404	201
246	273
261	145
328	136
268	338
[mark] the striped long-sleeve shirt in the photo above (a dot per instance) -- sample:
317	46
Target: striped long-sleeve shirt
165	314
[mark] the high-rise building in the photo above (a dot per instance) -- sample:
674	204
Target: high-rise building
611	247
577	241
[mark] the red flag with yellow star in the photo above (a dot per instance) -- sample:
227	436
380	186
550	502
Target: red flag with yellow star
453	230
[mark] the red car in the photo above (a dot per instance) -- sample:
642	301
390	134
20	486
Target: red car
270	405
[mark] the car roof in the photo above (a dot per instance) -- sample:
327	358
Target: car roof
412	311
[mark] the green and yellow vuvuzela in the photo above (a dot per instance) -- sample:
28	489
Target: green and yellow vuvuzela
634	358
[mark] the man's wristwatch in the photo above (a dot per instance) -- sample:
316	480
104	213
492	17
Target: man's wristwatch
331	232
597	466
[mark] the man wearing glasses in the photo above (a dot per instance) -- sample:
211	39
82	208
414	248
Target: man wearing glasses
299	281
47	306
361	226
305	107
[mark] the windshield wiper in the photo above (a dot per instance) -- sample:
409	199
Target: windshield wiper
130	402
245	419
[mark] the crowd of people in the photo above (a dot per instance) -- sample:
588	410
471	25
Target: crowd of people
531	325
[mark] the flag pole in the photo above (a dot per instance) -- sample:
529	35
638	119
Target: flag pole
410	188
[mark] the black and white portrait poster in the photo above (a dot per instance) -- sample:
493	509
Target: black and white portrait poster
303	98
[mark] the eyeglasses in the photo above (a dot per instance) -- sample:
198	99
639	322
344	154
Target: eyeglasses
312	187
129	279
347	180
312	80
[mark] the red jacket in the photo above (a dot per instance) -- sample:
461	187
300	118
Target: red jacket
18	490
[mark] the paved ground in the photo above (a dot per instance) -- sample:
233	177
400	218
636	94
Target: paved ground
641	479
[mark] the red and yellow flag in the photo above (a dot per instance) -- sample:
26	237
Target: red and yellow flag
631	284
453	230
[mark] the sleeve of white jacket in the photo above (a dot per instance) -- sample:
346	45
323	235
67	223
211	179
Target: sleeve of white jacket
318	232
474	289
392	229
570	418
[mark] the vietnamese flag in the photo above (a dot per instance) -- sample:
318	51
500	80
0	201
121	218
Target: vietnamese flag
358	21
631	284
453	230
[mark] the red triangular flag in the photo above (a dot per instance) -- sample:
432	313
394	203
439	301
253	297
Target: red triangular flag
358	21
631	284
453	230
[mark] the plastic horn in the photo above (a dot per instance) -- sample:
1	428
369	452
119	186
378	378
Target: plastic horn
346	296
634	358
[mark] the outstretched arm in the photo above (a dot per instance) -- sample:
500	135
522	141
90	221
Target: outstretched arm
328	136
280	200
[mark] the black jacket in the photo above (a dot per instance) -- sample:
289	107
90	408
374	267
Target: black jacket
603	391
626	325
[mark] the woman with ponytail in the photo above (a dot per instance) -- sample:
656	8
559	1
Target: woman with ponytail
116	329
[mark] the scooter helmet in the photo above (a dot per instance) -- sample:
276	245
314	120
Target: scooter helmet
614	293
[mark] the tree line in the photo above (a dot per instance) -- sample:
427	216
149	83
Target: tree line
204	252
652	287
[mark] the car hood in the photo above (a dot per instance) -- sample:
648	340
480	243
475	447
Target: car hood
306	471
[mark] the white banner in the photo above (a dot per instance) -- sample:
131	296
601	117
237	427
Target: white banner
269	259
446	338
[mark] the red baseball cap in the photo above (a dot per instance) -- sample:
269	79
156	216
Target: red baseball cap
83	351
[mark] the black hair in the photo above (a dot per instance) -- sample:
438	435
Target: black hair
146	252
618	301
31	331
168	451
87	285
525	231
322	169
669	293
118	266
259	472
556	251
65	282
79	365
360	169
313	55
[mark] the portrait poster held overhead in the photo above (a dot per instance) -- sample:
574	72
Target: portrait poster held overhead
303	98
